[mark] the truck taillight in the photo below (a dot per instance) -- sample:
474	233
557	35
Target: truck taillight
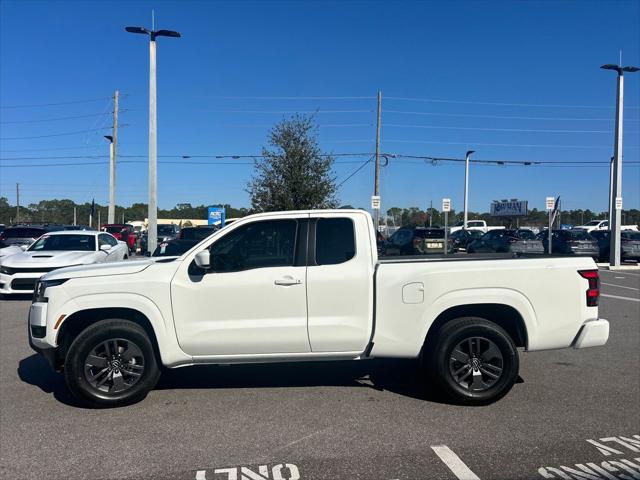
593	292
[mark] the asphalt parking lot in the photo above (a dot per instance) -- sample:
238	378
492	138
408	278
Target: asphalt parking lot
573	414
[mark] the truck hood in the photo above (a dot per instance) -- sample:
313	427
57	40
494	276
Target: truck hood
101	269
46	259
12	250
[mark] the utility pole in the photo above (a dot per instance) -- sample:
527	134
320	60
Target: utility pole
466	188
98	224
611	200
431	213
376	186
616	205
75	218
153	160
17	203
113	146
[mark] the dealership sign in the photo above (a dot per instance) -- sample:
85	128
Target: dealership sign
509	208
216	216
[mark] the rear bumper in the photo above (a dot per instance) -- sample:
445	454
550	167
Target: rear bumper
593	333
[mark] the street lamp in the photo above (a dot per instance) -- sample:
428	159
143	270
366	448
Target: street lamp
616	194
466	187
111	212
152	239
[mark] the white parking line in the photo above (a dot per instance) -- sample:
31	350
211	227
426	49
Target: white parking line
620	298
621	286
451	460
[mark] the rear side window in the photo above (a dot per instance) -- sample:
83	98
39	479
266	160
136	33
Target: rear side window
335	241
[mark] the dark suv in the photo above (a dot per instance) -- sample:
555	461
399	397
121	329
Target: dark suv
21	235
514	241
629	244
570	242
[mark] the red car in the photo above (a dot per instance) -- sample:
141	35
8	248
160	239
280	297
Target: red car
123	232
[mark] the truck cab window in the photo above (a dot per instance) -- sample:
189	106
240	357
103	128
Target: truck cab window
256	245
335	241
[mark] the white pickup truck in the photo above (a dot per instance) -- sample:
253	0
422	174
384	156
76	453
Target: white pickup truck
479	225
308	285
595	225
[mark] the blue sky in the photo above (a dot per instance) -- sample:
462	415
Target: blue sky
511	80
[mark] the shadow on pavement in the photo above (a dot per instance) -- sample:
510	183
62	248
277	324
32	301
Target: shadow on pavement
34	370
402	377
398	376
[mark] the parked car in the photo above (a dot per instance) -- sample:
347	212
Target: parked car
570	242
518	241
595	225
460	239
165	232
629	244
415	241
19	272
174	248
197	233
21	235
268	288
122	231
480	225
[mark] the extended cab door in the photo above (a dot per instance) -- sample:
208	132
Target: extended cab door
340	282
253	298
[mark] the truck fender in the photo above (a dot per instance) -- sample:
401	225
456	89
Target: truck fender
170	352
500	296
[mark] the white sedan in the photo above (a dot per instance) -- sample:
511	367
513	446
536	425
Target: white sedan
19	272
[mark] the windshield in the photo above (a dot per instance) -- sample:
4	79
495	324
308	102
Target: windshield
435	233
173	248
196	233
112	229
579	235
86	243
630	235
165	230
593	223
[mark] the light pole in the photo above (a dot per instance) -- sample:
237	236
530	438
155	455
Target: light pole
152	239
616	194
466	187
111	212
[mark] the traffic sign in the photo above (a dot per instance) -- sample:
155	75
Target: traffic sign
446	204
550	203
618	203
375	202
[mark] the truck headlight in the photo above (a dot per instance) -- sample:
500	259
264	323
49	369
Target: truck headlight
41	287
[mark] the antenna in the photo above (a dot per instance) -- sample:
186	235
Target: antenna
153	20
620	58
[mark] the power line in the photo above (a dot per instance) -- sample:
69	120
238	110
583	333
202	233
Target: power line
59	134
72	102
184	156
59	118
496	129
507	117
539	145
289	111
434	100
292	98
356	171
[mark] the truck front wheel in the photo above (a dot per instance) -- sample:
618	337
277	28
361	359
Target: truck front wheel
111	364
474	361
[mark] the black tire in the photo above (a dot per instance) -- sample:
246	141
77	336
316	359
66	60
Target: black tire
110	342
445	356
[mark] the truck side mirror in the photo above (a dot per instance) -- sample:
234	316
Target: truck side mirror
203	259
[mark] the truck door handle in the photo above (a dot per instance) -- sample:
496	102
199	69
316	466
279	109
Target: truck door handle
287	281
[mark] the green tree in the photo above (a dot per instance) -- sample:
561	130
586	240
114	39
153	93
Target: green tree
293	174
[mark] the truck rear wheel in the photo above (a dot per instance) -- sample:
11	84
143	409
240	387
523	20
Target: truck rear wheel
474	361
111	364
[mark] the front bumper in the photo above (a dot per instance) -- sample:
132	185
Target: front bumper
19	283
36	326
593	333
